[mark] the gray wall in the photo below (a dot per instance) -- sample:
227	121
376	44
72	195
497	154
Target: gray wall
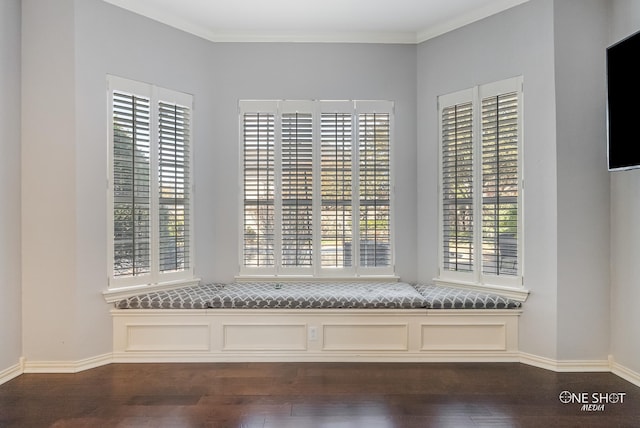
583	180
517	42
10	299
625	227
96	39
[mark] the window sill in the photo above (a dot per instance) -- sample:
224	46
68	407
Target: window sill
310	278
519	294
116	294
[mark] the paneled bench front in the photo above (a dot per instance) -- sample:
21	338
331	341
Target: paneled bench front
316	322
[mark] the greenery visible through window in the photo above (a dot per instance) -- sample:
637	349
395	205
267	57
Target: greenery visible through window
480	183
149	185
310	169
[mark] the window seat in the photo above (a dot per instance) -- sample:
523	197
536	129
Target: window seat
319	295
341	321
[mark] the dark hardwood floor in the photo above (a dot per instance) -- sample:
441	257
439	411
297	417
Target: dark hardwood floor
300	395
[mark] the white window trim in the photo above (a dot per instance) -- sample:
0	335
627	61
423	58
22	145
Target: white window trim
123	287
509	286
316	272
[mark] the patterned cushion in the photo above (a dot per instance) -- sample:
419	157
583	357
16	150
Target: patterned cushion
396	295
193	297
440	297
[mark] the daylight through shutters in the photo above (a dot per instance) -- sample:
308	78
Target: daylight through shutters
312	170
500	184
174	195
481	185
336	190
457	187
374	185
131	185
297	189
149	192
259	187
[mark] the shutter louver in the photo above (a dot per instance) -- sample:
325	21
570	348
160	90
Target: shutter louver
500	184
173	175
374	189
131	185
336	189
457	187
297	189
259	181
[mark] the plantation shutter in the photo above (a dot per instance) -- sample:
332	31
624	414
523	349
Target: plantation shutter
457	187
336	189
500	184
297	189
173	175
374	189
131	185
258	188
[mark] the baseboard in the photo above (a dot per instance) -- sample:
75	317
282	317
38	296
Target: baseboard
147	357
565	365
67	366
12	372
356	357
624	372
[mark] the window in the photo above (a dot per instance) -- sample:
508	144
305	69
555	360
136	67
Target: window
310	169
480	184
149	184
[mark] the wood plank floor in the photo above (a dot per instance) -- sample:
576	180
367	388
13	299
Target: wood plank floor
299	395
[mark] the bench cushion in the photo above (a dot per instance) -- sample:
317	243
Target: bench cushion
393	295
193	297
310	295
440	297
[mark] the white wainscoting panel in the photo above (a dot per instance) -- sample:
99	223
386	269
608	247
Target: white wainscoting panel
365	337
168	337
264	337
464	337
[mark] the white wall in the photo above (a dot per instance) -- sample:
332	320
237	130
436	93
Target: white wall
583	180
10	298
69	50
519	41
625	228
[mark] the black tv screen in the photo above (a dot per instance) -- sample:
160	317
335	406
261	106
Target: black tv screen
623	103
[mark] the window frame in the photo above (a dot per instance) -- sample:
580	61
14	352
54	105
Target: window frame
155	278
476	278
317	108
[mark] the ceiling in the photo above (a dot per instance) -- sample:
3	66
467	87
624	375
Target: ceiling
362	21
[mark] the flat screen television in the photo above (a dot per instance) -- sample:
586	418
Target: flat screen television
623	104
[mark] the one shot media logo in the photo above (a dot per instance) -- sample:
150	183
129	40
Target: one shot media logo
592	401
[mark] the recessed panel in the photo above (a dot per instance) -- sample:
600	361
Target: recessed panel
264	337
167	337
463	337
365	337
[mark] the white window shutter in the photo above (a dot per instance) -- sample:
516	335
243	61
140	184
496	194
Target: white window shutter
336	189
457	187
297	189
174	187
259	189
131	185
500	184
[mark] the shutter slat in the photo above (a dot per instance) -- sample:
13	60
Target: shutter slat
457	187
500	184
131	185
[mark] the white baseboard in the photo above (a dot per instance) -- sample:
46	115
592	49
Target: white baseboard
624	372
610	365
375	357
12	372
565	365
67	366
